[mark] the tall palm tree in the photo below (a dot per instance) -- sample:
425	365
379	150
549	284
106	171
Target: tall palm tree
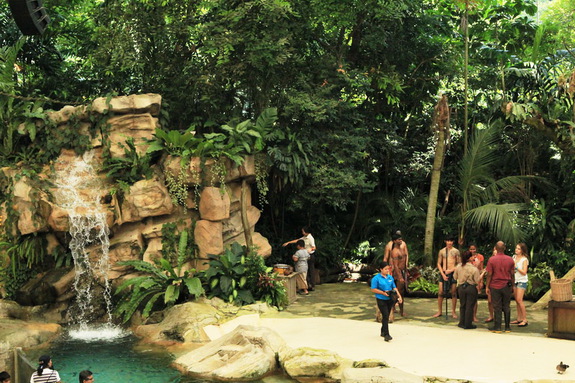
481	193
441	127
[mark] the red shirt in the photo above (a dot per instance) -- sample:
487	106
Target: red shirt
501	268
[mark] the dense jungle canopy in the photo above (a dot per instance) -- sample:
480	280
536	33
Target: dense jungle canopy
355	84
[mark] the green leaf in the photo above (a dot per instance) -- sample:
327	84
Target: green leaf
194	286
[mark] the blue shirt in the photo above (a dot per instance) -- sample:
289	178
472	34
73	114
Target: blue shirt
384	284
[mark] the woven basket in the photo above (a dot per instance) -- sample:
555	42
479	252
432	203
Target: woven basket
562	290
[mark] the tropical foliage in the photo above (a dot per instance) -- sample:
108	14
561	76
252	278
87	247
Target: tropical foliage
241	277
160	285
337	99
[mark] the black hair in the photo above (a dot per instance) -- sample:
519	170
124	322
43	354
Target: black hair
43	361
84	375
300	243
4	376
306	229
450	237
395	237
465	257
382	265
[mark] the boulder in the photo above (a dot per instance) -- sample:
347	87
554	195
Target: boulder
146	198
235	172
232	227
153	250
63	115
43	289
59	219
182	323
127	244
308	362
174	166
140	127
378	375
134	103
33	210
245	354
214	205
260	242
235	193
153	228
208	236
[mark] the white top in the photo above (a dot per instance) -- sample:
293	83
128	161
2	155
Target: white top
48	376
519	265
309	242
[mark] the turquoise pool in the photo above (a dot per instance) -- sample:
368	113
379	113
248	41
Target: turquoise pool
113	361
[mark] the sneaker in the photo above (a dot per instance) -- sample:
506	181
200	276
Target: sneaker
508	329
471	327
387	338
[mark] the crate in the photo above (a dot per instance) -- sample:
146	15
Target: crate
561	320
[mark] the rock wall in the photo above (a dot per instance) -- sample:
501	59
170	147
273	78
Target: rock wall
135	220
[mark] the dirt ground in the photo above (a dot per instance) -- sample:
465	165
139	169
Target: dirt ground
355	301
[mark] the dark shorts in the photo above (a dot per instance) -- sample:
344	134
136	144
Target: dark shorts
448	283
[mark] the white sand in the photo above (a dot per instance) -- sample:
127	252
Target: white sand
477	355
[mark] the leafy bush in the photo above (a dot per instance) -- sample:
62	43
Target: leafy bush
265	285
241	277
175	143
24	257
539	280
161	280
128	169
226	278
422	284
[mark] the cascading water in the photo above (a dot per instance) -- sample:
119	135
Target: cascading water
79	193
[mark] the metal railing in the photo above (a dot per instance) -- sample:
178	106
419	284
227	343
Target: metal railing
23	368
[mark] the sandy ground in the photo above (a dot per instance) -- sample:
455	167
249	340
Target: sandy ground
340	318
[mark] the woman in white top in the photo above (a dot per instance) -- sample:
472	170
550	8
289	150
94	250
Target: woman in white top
45	372
521	266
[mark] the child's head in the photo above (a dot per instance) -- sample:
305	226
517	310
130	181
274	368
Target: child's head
300	244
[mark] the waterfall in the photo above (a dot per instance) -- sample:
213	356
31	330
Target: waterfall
79	192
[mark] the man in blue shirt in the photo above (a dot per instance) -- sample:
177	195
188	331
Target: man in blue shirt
383	286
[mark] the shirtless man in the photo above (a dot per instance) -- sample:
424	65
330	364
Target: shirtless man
396	238
397	256
447	260
398	262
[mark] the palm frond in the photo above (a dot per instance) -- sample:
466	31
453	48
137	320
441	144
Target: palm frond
503	219
476	165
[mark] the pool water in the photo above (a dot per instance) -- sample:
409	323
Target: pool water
113	361
117	358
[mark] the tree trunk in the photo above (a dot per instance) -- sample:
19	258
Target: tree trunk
441	125
244	211
357	201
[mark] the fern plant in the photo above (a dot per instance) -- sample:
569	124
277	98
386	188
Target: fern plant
160	280
128	169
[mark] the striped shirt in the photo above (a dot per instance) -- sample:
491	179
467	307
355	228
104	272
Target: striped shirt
48	376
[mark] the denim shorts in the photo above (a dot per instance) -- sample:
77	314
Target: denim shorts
521	285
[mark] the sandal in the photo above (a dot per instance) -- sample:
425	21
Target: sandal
515	322
488	320
523	324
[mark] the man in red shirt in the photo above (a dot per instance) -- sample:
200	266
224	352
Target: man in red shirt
500	278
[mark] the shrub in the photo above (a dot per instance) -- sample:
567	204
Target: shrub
161	280
241	277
